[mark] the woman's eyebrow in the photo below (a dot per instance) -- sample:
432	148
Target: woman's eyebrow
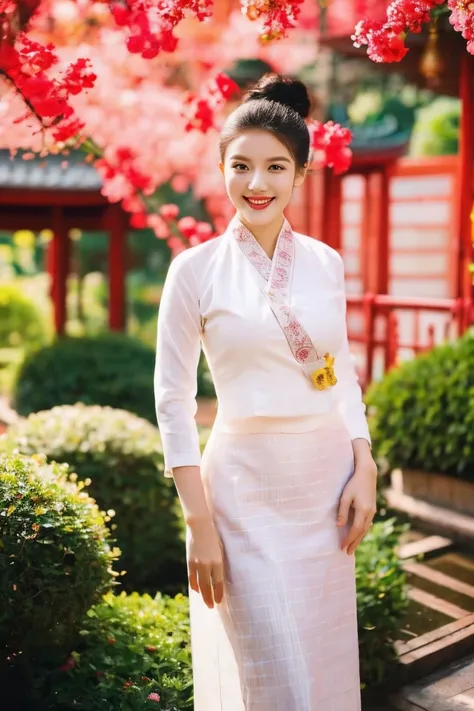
269	160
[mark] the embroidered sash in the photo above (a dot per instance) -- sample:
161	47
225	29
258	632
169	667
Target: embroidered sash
278	274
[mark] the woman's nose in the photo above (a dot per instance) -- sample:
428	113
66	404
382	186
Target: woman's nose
257	182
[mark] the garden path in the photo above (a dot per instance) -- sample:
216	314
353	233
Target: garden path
449	689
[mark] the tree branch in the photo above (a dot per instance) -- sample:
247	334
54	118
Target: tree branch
25	99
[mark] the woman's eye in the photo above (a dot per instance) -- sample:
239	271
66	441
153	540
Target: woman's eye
239	166
277	167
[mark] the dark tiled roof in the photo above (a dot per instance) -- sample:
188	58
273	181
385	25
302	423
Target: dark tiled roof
47	173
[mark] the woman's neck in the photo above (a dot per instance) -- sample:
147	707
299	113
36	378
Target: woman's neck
266	235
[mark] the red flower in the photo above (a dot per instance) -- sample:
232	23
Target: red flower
187	226
69	664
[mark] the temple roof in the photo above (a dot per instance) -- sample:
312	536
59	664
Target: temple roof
62	173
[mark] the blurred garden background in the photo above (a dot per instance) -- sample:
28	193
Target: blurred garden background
109	119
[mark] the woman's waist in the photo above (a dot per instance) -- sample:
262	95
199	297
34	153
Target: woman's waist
274	424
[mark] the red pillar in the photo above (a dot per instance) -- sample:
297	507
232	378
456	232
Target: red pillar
466	186
331	210
117	228
384	233
58	268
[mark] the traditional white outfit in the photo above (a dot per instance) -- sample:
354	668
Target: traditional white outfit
280	453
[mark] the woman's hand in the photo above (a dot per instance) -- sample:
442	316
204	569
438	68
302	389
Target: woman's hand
205	561
360	494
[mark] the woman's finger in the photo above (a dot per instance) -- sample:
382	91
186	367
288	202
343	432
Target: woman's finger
358	541
218	584
354	544
344	507
205	585
355	530
192	577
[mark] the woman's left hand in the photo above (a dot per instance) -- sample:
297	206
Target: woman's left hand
360	494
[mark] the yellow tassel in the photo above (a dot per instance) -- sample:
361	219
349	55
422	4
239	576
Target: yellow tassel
325	377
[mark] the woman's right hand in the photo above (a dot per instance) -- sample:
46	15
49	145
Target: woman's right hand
205	561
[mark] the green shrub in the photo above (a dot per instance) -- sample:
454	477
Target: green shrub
130	647
381	600
55	557
21	323
111	369
436	129
122	456
422	413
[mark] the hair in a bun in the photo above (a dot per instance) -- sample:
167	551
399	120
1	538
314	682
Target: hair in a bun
289	92
276	104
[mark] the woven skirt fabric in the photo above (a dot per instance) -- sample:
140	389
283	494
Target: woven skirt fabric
285	636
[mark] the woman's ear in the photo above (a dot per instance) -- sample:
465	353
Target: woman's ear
300	176
221	167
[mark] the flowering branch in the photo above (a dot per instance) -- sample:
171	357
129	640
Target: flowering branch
385	41
276	16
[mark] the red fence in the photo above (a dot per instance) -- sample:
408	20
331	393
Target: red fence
379	345
420	308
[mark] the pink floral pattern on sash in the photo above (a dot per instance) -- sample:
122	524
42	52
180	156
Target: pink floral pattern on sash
278	273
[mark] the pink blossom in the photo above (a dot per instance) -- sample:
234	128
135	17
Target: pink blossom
187	226
180	183
153	697
169	212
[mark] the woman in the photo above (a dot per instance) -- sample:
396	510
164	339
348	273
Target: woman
286	488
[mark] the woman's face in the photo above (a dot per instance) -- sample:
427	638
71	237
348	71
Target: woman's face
260	174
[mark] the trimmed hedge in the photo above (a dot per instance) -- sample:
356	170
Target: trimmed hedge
122	456
110	369
130	647
422	413
381	600
21	322
55	557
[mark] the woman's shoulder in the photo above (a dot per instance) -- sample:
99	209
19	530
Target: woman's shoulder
193	258
320	250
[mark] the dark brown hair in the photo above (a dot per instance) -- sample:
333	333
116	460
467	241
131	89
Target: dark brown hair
276	104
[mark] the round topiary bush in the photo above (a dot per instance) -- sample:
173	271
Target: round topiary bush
422	413
122	456
111	369
21	323
133	653
55	558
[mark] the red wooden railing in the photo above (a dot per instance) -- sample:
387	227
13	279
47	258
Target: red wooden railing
378	343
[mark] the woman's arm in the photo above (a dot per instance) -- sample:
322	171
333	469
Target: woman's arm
347	390
177	357
360	493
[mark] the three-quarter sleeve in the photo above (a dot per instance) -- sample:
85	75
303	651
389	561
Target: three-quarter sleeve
347	390
177	357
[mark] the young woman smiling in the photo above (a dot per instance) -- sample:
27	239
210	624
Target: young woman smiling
286	488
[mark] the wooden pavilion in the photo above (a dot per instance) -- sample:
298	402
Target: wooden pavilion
46	193
438	59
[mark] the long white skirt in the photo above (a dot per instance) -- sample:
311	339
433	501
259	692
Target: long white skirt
285	636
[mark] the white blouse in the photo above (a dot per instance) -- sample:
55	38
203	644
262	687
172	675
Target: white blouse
212	297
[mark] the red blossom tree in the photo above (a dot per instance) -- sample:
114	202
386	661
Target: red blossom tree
46	82
385	40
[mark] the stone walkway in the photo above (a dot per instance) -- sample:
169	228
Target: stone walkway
450	689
